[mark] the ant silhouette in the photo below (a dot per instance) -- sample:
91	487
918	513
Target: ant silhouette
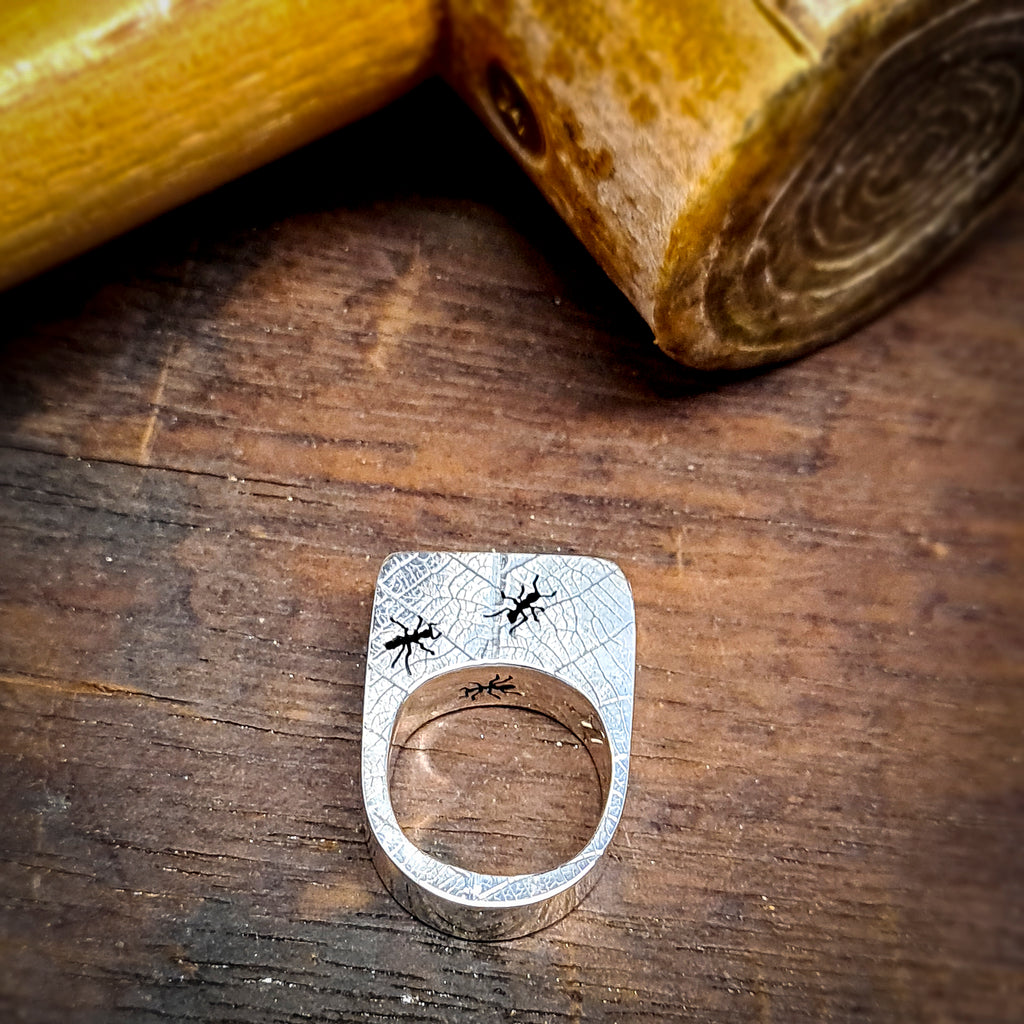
523	607
404	642
496	687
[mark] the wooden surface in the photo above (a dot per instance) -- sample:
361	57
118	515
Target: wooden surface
215	429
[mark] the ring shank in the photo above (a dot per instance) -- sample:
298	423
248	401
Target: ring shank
480	923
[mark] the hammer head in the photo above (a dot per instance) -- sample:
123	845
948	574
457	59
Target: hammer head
760	178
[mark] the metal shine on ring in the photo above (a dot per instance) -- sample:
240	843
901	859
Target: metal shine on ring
554	634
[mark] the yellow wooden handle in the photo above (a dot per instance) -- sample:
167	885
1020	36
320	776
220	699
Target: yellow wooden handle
114	110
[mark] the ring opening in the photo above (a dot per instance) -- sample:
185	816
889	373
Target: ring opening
498	769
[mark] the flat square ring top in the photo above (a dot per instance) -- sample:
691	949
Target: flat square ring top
551	633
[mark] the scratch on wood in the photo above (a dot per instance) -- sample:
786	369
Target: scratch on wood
678	536
396	312
93	686
146	443
777	14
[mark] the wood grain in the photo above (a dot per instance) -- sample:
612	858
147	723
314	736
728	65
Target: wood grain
214	430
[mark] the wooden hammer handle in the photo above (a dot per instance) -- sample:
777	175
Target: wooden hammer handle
115	110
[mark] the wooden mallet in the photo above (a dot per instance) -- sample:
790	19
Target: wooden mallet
758	176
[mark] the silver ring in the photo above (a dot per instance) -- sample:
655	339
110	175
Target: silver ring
549	633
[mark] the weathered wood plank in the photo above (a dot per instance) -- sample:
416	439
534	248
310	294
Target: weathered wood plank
214	431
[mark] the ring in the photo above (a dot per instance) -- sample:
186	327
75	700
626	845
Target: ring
554	634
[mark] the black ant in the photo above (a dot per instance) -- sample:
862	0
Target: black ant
523	606
404	642
496	687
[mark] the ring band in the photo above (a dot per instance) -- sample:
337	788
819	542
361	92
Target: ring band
550	633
